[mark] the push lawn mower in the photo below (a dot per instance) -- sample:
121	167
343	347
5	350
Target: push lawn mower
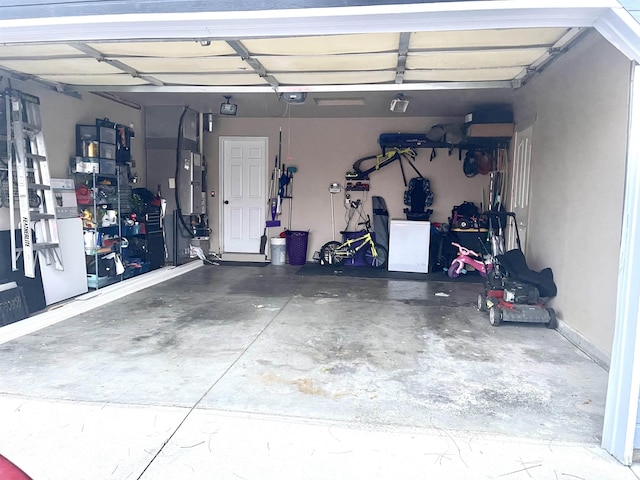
513	292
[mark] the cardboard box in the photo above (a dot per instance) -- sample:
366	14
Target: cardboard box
495	130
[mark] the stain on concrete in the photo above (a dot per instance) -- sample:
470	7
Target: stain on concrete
154	342
465	350
306	385
510	399
545	356
340	369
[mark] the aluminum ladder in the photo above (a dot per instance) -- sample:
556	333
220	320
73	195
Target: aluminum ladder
36	202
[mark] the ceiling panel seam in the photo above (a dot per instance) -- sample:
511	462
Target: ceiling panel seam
96	54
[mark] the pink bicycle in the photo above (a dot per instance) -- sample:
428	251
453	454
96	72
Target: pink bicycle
467	257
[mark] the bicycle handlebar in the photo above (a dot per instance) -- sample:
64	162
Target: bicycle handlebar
465	250
366	223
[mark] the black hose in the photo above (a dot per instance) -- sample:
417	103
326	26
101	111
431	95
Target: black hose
177	174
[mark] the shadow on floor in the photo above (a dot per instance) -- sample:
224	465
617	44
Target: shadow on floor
312	269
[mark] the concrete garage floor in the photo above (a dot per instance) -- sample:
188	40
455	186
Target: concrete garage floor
259	373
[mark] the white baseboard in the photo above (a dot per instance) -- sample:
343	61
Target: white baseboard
243	257
584	345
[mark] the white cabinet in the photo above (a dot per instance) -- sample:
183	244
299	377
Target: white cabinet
409	246
60	285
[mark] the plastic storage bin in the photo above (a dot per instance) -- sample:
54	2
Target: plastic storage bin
278	251
297	246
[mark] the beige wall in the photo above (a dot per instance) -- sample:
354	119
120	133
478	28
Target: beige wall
61	113
579	111
323	150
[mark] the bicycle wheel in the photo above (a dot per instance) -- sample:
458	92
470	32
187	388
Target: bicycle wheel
452	271
328	255
377	261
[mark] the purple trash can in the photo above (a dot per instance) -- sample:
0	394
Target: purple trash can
297	242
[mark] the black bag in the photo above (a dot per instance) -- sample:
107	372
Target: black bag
106	266
464	215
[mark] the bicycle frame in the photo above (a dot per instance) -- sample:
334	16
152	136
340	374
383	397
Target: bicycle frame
375	255
346	251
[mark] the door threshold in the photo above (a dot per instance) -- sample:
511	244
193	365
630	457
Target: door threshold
243	257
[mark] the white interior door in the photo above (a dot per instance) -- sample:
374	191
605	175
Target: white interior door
244	161
520	186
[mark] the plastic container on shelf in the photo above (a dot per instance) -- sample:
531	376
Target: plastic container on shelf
278	251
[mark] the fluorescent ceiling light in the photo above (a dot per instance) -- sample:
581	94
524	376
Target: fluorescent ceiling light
339	102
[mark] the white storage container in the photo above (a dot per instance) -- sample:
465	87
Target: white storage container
409	246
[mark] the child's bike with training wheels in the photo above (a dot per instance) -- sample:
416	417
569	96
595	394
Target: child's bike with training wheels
375	255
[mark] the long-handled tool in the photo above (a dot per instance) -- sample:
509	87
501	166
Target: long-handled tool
289	192
274	197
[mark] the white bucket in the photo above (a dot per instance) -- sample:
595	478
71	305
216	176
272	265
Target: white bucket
278	251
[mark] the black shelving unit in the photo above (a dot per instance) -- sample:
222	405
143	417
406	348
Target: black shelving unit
105	197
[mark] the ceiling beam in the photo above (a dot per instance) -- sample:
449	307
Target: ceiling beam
55	86
403	50
252	62
383	87
551	55
92	52
117	99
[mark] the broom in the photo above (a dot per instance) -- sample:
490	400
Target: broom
263	241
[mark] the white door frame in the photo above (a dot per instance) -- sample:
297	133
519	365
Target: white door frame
221	194
621	409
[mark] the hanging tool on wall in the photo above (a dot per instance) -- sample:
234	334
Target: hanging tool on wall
382	160
289	192
274	190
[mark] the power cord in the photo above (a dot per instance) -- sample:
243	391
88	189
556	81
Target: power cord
177	173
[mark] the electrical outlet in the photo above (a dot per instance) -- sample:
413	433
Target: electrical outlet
347	202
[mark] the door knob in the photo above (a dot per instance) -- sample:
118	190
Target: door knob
226	202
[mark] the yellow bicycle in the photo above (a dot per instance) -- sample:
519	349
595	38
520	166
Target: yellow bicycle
333	253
